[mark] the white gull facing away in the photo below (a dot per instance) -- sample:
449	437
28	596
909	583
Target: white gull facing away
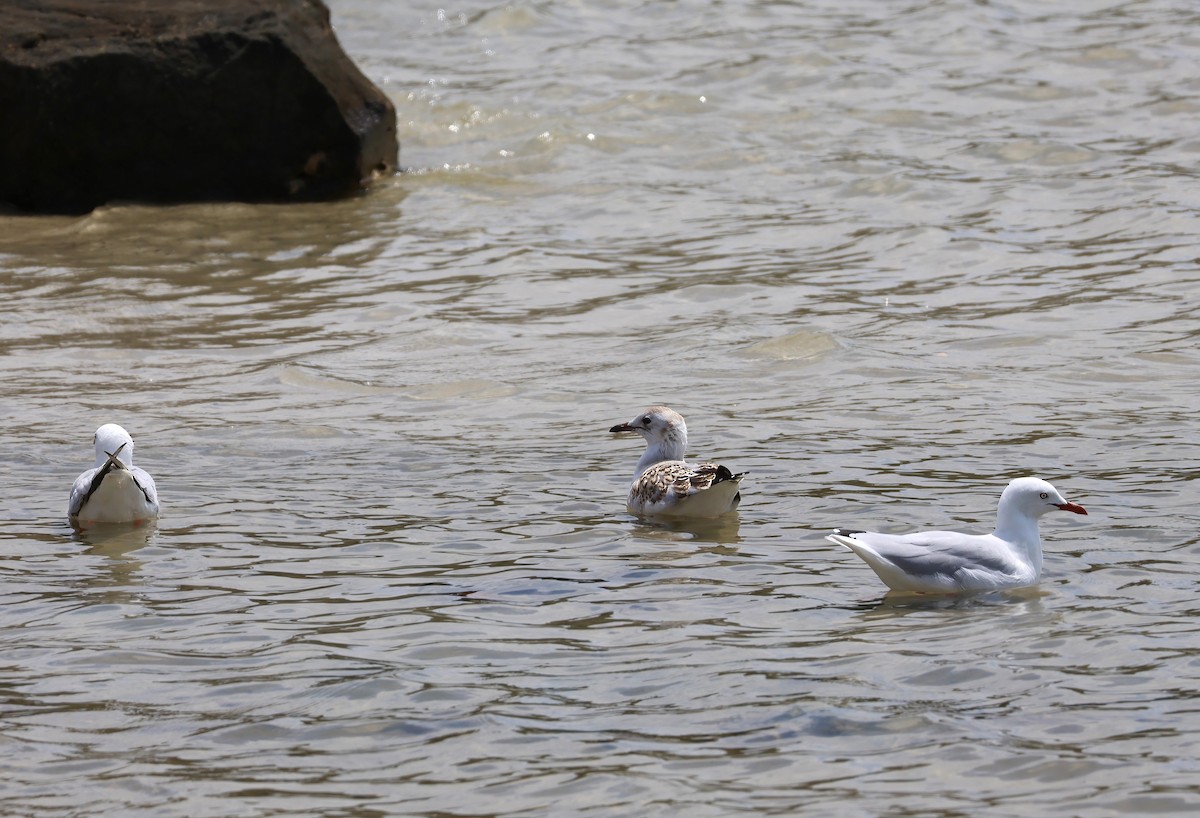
951	562
115	491
663	484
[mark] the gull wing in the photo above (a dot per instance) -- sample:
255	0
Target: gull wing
674	487
81	490
934	560
146	483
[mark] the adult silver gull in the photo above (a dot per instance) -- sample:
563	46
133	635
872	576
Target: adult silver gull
952	562
115	491
665	485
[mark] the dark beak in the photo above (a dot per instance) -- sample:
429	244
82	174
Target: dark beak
622	427
114	458
1074	508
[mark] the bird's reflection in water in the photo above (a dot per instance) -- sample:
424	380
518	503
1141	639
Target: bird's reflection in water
118	572
902	603
116	540
722	530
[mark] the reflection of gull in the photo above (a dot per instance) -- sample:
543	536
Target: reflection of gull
664	484
115	491
950	562
116	540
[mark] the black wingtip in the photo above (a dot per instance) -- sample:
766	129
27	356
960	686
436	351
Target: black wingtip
847	532
723	474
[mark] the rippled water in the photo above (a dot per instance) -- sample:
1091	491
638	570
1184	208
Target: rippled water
883	256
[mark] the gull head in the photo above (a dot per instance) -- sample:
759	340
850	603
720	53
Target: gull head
113	440
1032	497
664	431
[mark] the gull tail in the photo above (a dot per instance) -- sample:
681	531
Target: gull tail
723	474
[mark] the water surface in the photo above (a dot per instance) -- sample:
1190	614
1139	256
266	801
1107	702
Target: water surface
883	257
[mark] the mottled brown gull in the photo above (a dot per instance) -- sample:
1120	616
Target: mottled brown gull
663	484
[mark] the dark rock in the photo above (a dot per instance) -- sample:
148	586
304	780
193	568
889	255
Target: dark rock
182	100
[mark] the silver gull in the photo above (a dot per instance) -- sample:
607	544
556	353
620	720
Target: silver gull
115	491
952	562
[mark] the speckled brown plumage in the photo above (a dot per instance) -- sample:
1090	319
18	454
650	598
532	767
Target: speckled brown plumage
663	483
678	479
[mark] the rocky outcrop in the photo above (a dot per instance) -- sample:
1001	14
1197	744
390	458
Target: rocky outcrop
182	100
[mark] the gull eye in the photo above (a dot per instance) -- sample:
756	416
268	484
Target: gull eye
647	420
1043	495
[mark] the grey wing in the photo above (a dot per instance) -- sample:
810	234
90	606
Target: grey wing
936	552
146	484
79	492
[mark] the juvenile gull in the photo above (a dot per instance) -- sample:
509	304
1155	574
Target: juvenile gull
115	491
950	562
663	484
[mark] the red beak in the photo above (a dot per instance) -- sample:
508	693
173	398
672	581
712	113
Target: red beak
1074	507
